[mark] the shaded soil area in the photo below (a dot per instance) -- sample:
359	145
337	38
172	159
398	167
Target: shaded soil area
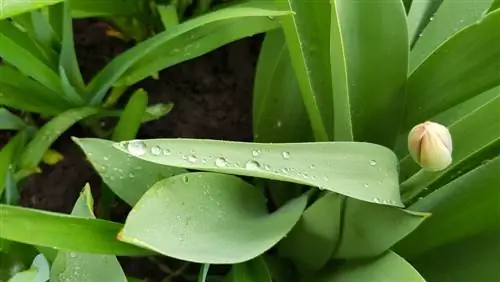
212	99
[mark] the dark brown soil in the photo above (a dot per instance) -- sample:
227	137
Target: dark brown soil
212	98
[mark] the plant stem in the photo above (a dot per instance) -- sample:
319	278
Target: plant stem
416	184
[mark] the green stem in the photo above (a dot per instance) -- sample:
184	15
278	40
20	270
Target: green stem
416	184
115	95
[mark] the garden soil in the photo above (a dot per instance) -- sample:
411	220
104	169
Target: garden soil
212	98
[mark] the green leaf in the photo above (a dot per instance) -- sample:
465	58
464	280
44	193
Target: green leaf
202	277
103	8
439	83
11	8
307	36
472	134
494	6
18	49
39	271
463	208
177	44
279	114
313	239
369	230
208	218
73	266
29	275
254	270
10	266
9	121
8	155
474	259
129	178
388	268
451	17
364	171
131	117
62	231
366	99
44	138
419	17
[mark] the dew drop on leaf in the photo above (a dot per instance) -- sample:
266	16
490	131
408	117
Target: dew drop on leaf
136	148
376	200
156	150
252	165
166	152
255	153
192	159
220	162
285	155
373	162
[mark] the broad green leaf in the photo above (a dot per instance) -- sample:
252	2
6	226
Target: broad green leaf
15	87
367	99
44	138
16	49
84	267
369	230
474	259
494	6
129	178
451	17
9	8
474	133
254	270
103	8
307	34
455	119
419	17
29	275
9	121
364	171
208	217
314	238
131	117
279	114
388	267
38	272
176	44
439	83
465	207
63	232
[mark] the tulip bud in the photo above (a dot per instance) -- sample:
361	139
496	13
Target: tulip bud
430	145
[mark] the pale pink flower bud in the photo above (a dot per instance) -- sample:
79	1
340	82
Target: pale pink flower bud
430	145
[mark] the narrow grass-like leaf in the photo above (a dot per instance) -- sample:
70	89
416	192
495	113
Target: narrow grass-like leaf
168	15
9	121
63	232
494	6
385	225
313	239
388	267
451	17
307	36
9	8
49	133
366	99
74	266
44	33
439	84
254	270
279	114
8	156
463	208
364	171
19	50
208	217
131	117
419	17
128	177
103	8
210	31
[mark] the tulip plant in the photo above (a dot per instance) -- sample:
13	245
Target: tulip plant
375	157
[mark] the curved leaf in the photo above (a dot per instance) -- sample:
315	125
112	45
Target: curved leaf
63	232
9	121
367	36
279	114
9	8
439	83
364	171
170	41
388	268
307	37
254	270
463	208
208	218
419	17
129	178
451	17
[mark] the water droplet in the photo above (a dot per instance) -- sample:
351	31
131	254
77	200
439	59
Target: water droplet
185	179
285	155
106	158
136	147
431	19
192	159
278	123
252	165
266	167
376	200
325	178
166	152
271	18
255	153
312	166
366	185
220	162
373	162
131	175
156	150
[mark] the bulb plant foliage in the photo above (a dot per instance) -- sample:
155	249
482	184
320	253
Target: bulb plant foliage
375	154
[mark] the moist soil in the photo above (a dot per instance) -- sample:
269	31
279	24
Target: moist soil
212	98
